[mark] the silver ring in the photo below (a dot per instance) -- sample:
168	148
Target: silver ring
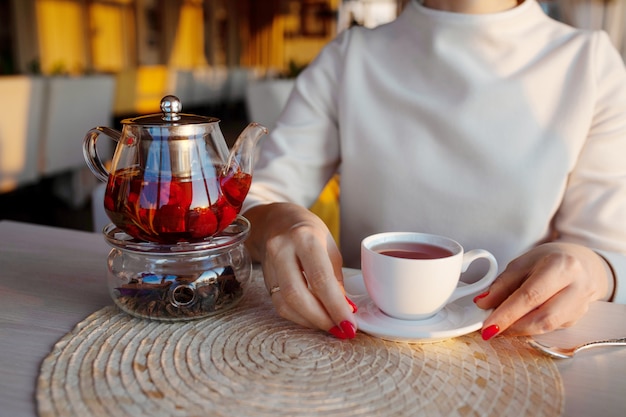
274	290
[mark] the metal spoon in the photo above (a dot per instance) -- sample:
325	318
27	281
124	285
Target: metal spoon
567	353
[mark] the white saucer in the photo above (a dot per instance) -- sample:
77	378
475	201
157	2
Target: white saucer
456	319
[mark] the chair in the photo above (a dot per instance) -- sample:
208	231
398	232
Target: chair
73	106
265	100
181	84
210	85
20	130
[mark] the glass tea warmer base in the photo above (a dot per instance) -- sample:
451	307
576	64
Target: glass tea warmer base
182	281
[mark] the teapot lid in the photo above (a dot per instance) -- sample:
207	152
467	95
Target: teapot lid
170	115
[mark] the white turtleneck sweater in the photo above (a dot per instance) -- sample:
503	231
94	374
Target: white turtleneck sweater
497	130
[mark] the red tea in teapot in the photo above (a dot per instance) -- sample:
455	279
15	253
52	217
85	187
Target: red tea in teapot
173	210
173	177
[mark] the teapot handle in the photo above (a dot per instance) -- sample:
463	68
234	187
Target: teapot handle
90	152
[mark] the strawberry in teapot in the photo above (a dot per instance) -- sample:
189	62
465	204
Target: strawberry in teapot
172	177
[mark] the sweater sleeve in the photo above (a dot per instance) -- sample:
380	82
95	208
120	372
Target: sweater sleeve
593	211
298	158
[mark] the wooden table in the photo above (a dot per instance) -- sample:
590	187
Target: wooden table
51	279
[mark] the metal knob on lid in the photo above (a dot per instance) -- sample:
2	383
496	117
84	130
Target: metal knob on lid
171	107
171	115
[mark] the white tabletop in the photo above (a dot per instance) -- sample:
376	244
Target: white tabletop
51	279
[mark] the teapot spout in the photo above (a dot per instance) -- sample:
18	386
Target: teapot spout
241	156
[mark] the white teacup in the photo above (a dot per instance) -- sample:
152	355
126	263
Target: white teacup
413	276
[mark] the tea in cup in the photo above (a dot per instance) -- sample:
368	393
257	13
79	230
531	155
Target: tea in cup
412	276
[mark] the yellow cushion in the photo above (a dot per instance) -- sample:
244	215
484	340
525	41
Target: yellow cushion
327	206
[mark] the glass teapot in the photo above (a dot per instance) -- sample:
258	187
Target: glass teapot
172	178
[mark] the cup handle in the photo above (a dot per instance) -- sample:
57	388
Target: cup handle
481	284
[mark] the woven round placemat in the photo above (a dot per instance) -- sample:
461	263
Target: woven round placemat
250	362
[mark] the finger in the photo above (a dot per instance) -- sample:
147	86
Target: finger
274	290
298	302
531	294
285	311
301	301
320	260
307	266
326	283
516	272
294	301
556	313
344	330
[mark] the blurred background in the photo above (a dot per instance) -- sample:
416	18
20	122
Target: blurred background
69	65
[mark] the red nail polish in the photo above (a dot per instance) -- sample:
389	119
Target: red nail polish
354	307
348	329
479	296
490	332
337	332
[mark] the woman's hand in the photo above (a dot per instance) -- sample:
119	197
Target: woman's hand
302	267
547	288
